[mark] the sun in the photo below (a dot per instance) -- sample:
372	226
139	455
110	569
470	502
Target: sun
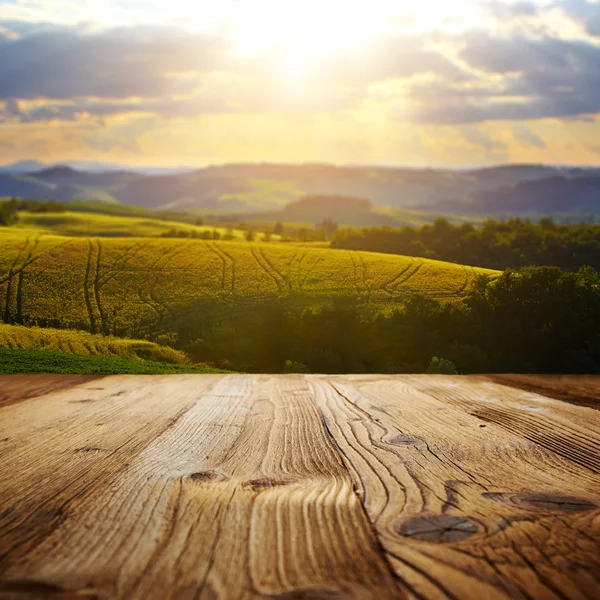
311	27
293	67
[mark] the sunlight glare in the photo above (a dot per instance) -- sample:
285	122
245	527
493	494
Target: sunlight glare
307	28
293	67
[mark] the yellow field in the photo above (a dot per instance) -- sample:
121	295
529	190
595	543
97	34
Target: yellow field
104	285
94	224
84	343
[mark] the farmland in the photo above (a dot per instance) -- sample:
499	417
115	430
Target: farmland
36	361
106	285
104	225
83	343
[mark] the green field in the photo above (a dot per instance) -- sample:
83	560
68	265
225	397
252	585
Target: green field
103	225
108	285
37	361
15	337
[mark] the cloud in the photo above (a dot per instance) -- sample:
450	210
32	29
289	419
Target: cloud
7	34
587	13
477	137
64	62
529	138
65	73
503	11
515	78
391	56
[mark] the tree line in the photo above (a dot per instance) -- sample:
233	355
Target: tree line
534	320
513	243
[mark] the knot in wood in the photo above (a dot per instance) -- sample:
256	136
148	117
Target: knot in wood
264	483
543	501
402	440
438	528
207	477
88	449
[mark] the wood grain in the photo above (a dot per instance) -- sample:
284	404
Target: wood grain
463	507
296	487
583	390
14	388
64	446
243	496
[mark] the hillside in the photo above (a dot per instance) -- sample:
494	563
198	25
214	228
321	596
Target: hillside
84	224
241	188
345	210
83	343
557	194
112	286
35	361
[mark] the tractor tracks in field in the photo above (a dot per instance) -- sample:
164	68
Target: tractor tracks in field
469	276
228	273
301	276
354	272
86	288
308	272
26	256
97	274
12	271
391	287
97	287
281	281
460	291
363	288
158	267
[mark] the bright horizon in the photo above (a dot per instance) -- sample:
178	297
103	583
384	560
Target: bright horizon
153	83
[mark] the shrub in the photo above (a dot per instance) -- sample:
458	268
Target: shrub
294	367
441	366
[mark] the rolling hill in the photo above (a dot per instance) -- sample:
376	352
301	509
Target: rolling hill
83	343
243	188
113	285
94	224
557	194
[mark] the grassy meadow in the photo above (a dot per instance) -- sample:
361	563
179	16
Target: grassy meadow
38	361
104	285
83	343
105	225
141	303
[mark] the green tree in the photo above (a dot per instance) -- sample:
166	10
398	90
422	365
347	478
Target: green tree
329	227
8	213
441	366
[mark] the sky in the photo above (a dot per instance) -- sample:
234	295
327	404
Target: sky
456	83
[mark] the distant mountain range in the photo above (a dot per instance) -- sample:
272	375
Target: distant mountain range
30	166
255	188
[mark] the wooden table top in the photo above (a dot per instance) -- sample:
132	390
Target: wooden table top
297	487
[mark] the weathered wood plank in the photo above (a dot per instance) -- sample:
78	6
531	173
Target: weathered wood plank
14	388
571	431
65	446
465	507
583	390
242	496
